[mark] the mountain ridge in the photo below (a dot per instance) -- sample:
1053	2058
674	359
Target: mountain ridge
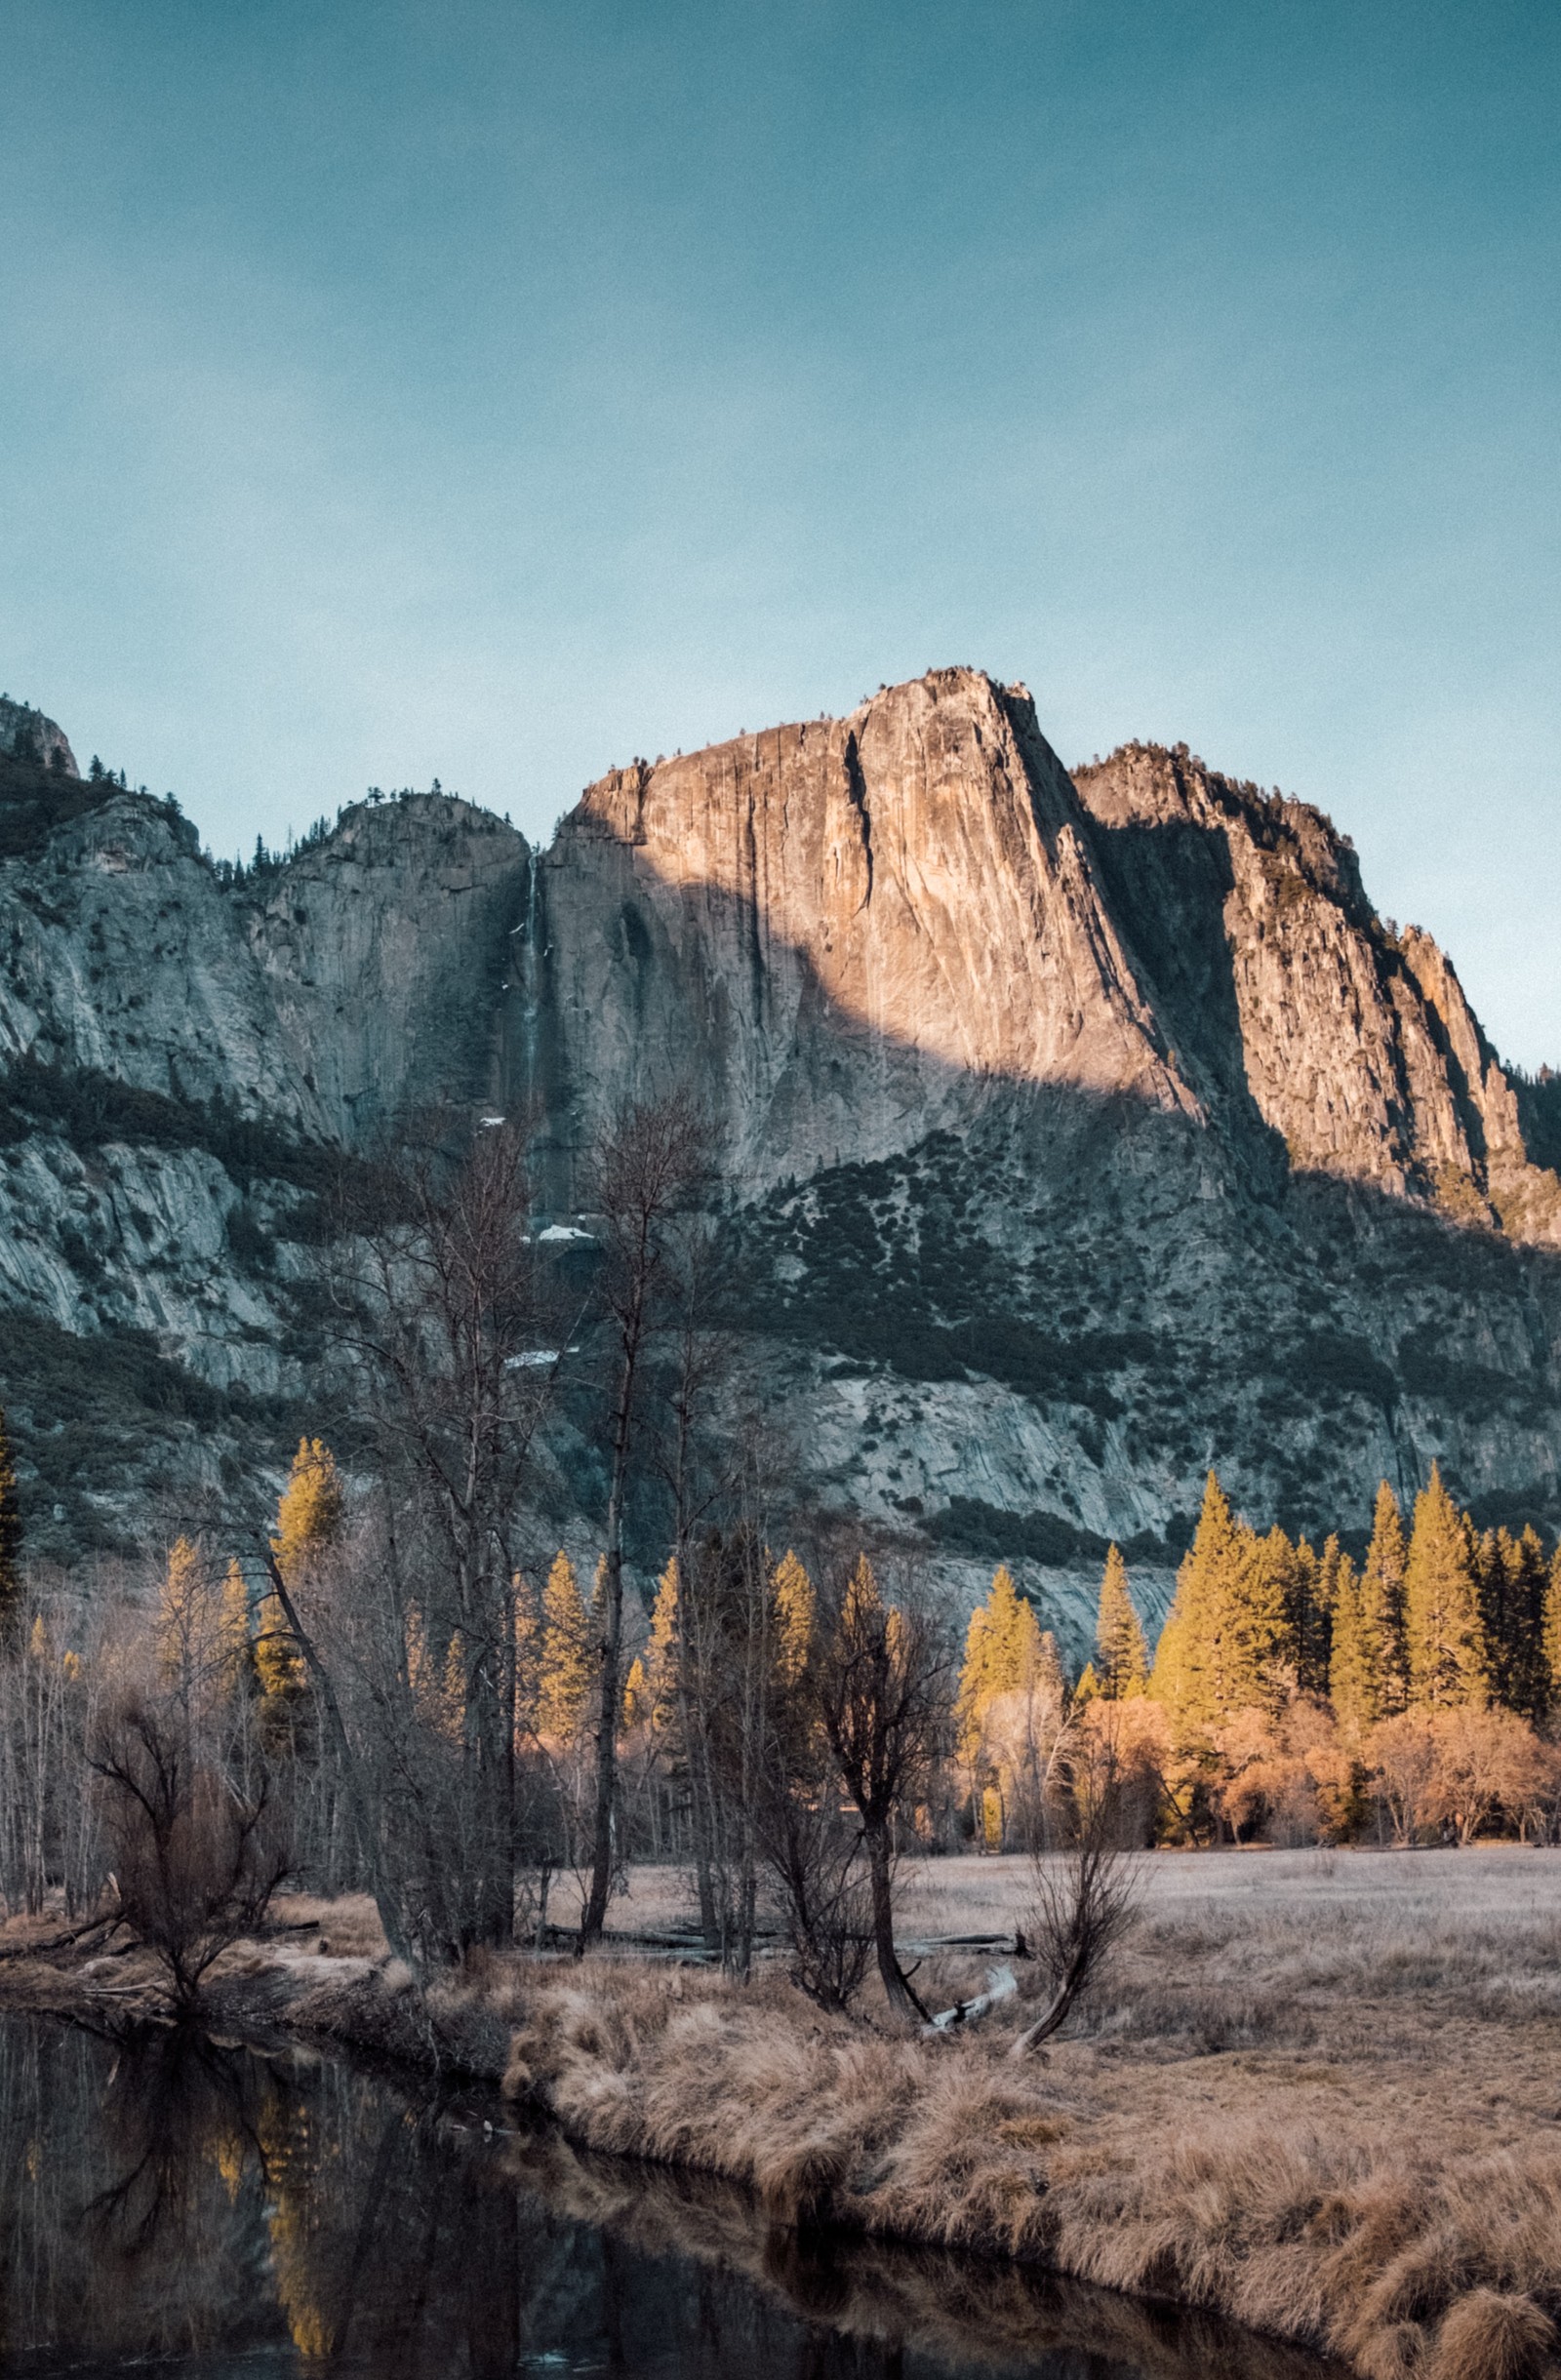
1083	1128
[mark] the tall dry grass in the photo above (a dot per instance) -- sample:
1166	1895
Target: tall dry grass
1329	2108
1320	2096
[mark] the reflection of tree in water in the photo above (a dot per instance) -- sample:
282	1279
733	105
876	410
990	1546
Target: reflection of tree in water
176	2196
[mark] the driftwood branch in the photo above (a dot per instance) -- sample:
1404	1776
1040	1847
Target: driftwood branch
1000	1986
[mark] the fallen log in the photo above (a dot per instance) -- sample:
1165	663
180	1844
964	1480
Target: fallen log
1000	1986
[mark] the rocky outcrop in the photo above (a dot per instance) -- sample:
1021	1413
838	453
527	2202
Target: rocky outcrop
851	932
27	736
1081	1130
1355	1046
384	954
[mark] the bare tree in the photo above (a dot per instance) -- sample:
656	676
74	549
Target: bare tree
814	1854
196	1861
881	1682
454	1323
647	1172
51	1681
726	1680
1085	1898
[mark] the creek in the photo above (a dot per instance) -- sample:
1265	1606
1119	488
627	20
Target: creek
189	2207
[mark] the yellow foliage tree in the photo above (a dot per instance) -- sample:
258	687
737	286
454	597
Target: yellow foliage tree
566	1668
308	1518
1124	1666
308	1521
1449	1657
180	1615
234	1652
650	1698
794	1605
1003	1653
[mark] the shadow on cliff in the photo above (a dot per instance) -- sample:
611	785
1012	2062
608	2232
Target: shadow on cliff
1087	1249
1168	885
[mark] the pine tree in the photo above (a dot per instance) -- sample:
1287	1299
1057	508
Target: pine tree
1263	1625
1533	1693
566	1668
791	1591
181	1613
308	1517
1355	1678
1119	1640
1445	1638
1488	1559
1311	1585
1511	1580
1003	1651
10	1539
650	1697
1040	1664
1381	1601
309	1522
1220	1648
234	1650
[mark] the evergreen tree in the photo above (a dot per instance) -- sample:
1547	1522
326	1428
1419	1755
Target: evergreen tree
1355	1667
650	1698
308	1517
1443	1635
1488	1560
1309	1589
1003	1651
791	1591
1222	1648
1119	1640
567	1666
1512	1580
1040	1664
10	1539
235	1652
1382	1602
1533	1694
309	1522
182	1649
1260	1671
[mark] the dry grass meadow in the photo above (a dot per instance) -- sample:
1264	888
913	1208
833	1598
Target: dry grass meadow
1320	2092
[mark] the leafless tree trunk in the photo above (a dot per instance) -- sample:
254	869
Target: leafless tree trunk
1086	1898
881	1682
455	1326
647	1172
197	1862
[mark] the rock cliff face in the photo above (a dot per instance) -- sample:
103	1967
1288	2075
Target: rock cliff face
853	931
1296	1005
1083	1131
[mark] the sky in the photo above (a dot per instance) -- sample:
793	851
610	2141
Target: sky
393	390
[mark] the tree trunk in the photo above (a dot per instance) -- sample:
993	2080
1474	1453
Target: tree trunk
612	1691
902	1999
369	1846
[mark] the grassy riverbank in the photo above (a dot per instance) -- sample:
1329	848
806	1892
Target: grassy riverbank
1321	2094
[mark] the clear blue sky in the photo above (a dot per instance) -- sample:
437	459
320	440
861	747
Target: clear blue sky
496	391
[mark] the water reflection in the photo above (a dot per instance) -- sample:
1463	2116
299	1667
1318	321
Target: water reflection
209	2206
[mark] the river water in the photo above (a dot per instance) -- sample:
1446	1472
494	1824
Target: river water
188	2208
